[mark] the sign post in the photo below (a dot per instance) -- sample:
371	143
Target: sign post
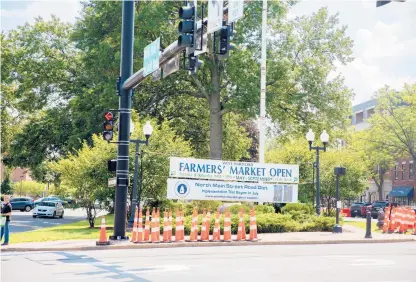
151	57
112	182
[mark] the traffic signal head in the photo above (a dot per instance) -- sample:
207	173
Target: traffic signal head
194	63
225	42
108	126
188	26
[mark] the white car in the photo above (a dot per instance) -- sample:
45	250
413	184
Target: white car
50	209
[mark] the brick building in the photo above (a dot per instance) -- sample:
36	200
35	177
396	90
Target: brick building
17	174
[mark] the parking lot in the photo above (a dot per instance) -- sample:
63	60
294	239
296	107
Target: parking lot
23	221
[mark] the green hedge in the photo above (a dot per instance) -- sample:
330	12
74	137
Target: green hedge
299	208
268	223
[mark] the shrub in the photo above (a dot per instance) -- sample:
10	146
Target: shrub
235	209
298	207
264	209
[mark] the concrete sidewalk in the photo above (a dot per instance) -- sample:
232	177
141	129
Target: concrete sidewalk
350	235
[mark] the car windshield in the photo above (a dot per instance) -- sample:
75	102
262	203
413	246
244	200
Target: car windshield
357	204
47	204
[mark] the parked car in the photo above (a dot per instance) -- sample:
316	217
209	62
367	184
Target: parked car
379	205
364	209
356	208
50	199
50	209
22	203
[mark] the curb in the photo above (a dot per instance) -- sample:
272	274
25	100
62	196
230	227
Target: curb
208	244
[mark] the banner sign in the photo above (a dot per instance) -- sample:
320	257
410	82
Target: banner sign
185	189
215	15
234	171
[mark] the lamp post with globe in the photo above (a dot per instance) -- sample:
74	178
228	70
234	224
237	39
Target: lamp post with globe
310	136
147	130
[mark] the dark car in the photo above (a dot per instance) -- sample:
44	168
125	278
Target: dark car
355	209
51	199
379	205
22	204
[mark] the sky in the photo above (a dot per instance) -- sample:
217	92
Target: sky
384	37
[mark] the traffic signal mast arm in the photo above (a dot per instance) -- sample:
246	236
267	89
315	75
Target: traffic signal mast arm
171	51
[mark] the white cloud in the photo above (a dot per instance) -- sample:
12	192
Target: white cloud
67	11
384	43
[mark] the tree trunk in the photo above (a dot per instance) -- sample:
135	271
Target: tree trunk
215	125
380	188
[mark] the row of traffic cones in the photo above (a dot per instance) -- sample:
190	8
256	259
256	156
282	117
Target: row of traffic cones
152	233
400	220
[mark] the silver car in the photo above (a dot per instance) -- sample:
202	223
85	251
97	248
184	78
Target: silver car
49	209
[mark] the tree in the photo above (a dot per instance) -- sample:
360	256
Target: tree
298	66
393	123
85	171
297	152
6	186
375	156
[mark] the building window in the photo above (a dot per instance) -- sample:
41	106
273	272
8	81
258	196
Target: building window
403	171
396	173
411	170
359	117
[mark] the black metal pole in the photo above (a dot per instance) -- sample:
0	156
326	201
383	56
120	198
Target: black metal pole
122	174
318	194
368	225
134	193
337	227
313	182
139	196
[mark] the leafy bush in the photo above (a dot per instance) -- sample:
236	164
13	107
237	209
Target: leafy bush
298	208
264	209
235	209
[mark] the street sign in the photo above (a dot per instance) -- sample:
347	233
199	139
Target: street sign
171	66
215	15
151	57
112	182
235	10
188	189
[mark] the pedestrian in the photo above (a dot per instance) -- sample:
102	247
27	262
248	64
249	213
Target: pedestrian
6	212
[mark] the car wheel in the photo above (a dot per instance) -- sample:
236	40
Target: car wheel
54	214
28	208
62	215
34	216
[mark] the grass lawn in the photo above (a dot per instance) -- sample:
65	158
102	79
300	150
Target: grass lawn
71	231
362	224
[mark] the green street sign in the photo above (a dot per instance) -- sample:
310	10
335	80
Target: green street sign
151	57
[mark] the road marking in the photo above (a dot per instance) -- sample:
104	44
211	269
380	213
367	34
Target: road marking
372	262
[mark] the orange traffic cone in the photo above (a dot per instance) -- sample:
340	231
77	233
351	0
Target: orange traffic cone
170	226
207	227
241	234
103	234
392	222
139	237
165	227
194	227
216	234
253	226
182	230
227	227
147	227
203	225
134	234
158	224
154	226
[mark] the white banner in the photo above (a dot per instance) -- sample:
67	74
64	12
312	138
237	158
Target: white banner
184	189
235	10
215	15
234	171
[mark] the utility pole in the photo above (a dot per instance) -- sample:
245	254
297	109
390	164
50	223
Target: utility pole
122	173
262	140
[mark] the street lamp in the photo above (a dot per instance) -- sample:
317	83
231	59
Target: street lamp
147	130
310	136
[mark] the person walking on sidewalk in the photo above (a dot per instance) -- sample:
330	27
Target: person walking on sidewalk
6	212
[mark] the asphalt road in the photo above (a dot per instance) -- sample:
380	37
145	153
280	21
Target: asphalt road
358	263
23	221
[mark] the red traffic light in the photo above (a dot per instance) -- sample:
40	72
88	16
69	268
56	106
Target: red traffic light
108	116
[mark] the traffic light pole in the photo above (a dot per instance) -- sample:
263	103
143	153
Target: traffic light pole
122	174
